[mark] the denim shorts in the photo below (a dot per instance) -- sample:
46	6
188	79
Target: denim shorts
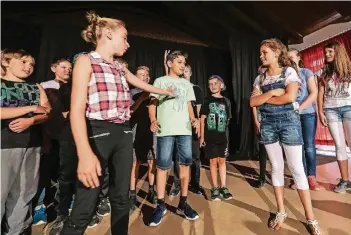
338	114
284	127
165	147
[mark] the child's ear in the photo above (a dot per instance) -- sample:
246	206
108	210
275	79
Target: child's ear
53	69
222	85
169	63
5	62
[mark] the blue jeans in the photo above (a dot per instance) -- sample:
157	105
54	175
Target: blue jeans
338	114
284	127
309	125
165	146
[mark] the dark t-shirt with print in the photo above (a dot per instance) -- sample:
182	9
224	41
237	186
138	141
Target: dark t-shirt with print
19	94
217	112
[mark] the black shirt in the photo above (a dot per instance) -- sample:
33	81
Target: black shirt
218	113
19	94
199	100
143	135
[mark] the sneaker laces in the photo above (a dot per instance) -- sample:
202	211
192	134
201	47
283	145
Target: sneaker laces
314	224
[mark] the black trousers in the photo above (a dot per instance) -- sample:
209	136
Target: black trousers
113	146
195	167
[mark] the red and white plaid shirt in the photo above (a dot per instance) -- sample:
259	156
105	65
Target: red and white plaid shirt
108	91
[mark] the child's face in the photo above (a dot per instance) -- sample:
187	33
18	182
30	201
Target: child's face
187	73
294	57
329	54
119	41
63	70
268	56
22	67
215	85
178	65
143	75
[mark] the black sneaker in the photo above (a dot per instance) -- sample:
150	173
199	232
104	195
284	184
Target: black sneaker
188	212
175	192
152	197
225	193
260	183
95	221
215	195
197	190
58	225
104	207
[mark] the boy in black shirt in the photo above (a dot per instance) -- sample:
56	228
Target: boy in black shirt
215	115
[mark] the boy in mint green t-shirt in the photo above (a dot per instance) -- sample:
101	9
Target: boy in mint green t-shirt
173	124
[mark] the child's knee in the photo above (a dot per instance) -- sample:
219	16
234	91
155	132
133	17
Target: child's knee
221	161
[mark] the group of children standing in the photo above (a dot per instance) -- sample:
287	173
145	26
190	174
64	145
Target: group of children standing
99	114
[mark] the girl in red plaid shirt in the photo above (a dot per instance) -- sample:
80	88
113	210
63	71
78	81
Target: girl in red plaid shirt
100	111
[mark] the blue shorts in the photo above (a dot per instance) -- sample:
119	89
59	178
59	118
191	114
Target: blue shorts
165	147
338	114
284	127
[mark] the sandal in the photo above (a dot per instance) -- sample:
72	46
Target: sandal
278	217
313	225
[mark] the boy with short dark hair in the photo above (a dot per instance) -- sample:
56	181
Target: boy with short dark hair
173	124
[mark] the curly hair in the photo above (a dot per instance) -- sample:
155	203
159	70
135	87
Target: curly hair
277	46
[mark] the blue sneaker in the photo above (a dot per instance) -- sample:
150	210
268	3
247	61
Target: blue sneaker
39	216
157	215
188	212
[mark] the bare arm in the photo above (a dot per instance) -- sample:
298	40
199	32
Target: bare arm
198	108
81	77
7	112
44	102
258	99
132	79
152	110
320	98
191	111
313	92
320	102
288	97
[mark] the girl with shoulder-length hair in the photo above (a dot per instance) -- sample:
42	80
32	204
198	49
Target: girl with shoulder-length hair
275	93
334	104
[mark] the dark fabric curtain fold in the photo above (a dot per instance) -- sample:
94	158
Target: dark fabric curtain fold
245	62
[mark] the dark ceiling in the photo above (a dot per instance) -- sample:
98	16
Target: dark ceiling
202	23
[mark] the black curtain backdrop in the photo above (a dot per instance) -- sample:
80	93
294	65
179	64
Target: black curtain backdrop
245	54
49	42
237	67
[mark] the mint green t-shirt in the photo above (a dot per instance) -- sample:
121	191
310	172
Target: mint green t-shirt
172	112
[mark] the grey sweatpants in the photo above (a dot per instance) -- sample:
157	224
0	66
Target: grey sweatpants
19	183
